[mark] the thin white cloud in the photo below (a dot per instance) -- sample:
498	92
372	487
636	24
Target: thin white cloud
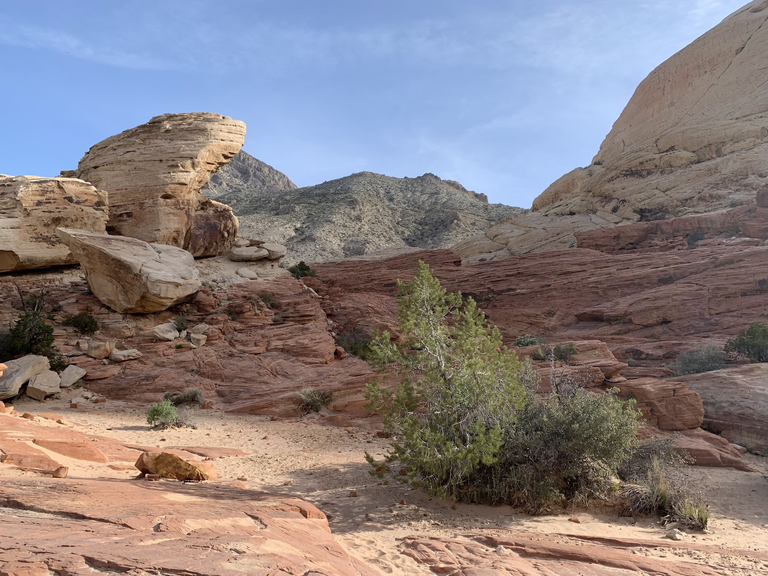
61	42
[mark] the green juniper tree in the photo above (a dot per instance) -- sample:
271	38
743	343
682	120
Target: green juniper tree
459	390
464	419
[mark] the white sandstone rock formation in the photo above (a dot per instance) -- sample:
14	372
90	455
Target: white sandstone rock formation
132	276
154	174
31	208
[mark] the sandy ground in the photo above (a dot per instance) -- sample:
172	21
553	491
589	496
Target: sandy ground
325	465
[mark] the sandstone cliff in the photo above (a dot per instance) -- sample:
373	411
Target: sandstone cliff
361	213
154	173
692	139
31	208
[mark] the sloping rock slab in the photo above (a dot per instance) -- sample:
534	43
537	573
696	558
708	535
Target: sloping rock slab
528	553
131	276
735	403
163	528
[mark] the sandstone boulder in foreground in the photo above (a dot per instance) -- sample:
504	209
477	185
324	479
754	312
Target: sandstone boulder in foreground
154	174
31	208
131	276
19	372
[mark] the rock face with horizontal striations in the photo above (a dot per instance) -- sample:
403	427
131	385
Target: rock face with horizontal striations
131	276
31	208
692	139
154	174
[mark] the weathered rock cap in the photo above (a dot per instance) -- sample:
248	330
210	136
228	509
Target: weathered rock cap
32	207
130	275
154	174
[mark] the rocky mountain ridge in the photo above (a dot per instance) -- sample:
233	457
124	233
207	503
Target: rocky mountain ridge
243	176
359	214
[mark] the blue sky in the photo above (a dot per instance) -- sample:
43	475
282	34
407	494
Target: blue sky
504	96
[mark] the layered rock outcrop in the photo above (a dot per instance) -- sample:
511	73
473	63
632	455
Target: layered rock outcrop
361	214
154	174
132	276
736	403
31	208
692	139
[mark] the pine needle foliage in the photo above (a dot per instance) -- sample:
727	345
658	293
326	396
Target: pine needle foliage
459	389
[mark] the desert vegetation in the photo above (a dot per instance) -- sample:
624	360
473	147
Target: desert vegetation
702	359
466	423
751	343
301	270
31	334
83	322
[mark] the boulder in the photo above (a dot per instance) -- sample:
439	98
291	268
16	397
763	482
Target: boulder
47	383
124	355
100	349
168	465
19	372
199	328
247	273
131	276
668	405
70	375
154	174
248	254
198	339
31	208
167	331
276	251
735	403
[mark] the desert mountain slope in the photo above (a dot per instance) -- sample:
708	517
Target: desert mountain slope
243	176
362	213
692	139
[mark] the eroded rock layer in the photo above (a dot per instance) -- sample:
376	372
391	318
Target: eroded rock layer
154	174
31	208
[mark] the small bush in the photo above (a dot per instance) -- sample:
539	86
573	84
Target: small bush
187	396
31	335
277	319
266	298
563	352
301	270
750	343
527	340
702	359
181	321
656	485
356	343
312	400
162	414
83	322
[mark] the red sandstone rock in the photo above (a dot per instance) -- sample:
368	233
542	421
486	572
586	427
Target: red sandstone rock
518	552
151	527
668	405
167	465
